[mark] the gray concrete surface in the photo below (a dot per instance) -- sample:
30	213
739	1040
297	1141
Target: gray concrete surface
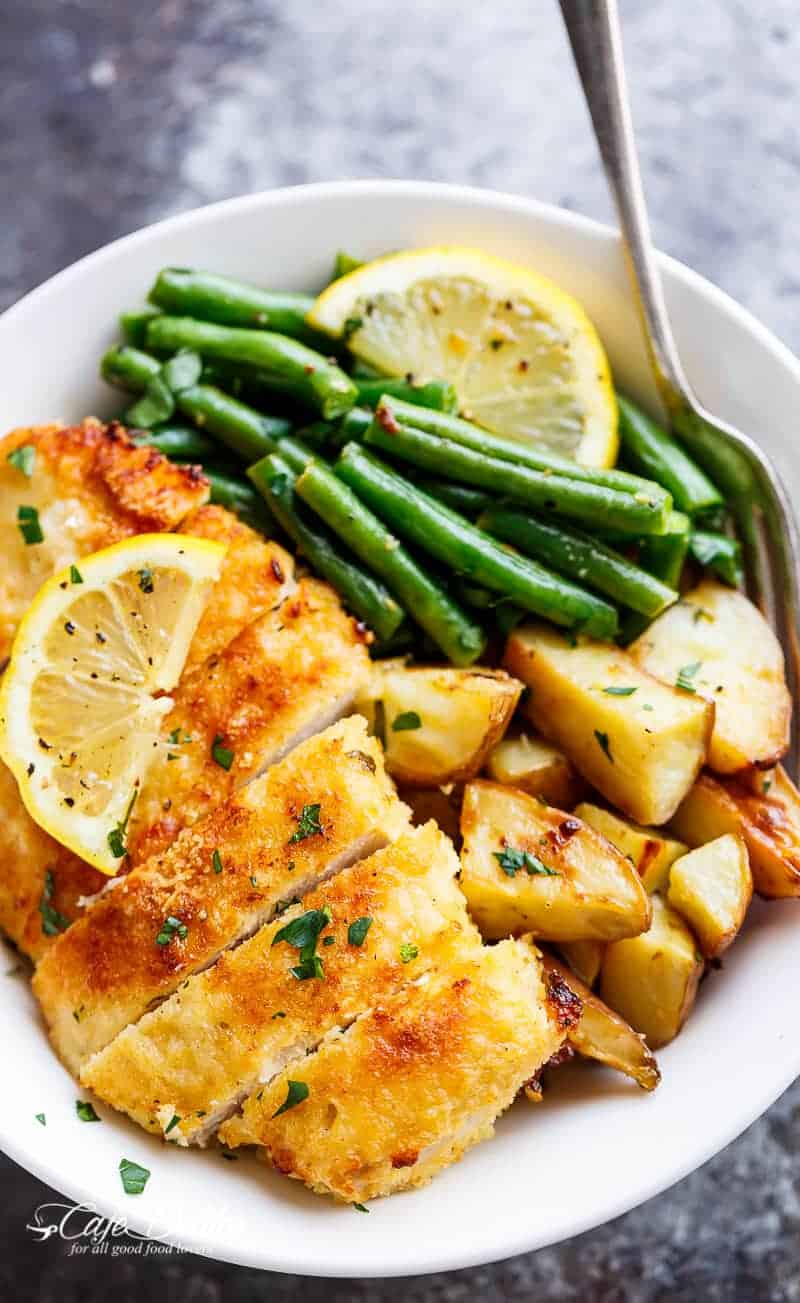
116	114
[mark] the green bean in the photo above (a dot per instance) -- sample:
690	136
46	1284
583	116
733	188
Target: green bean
245	431
438	394
648	448
295	453
663	557
353	425
361	370
521	454
239	497
458	636
134	325
591	503
461	497
581	557
368	599
718	553
241	428
129	368
442	533
282	362
508	616
318	434
179	442
185	293
344	264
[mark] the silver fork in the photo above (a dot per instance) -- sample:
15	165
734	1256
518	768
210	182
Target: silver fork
764	518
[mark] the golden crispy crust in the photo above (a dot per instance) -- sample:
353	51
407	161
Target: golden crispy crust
412	1084
235	1025
27	855
109	966
284	677
92	486
256	575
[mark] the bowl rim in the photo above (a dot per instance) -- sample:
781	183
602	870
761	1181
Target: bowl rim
504	1243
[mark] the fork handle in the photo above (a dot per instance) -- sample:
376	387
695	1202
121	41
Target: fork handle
594	34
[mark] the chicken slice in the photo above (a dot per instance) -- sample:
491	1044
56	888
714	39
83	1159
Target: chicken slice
328	804
91	486
285	677
189	1064
256	576
410	1085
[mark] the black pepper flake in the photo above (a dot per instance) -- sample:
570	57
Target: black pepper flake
69	627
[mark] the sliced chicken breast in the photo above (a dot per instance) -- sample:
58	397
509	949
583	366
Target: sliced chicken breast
91	486
328	804
410	1085
256	576
285	677
190	1063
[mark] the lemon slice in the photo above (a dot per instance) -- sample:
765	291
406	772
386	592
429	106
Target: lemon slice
82	696
524	357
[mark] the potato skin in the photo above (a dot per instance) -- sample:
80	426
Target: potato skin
711	888
652	979
740	668
602	1034
769	824
591	891
642	750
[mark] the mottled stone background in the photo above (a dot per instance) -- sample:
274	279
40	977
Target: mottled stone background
113	114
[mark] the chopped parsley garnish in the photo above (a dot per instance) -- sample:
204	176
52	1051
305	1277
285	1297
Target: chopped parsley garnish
351	325
512	860
220	754
303	933
296	1093
216	862
405	722
278	1014
329	941
171	927
360	1208
23	459
358	930
619	692
134	1177
85	1111
307	825
28	523
647	706
75	576
408	951
40	1117
52	921
685	675
603	743
116	838
145	579
173	1122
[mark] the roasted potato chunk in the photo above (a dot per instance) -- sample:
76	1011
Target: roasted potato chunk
711	888
650	850
440	803
523	760
440	723
602	1034
527	867
636	740
719	644
651	980
769	825
584	958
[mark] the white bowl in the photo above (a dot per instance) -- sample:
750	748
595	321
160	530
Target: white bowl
597	1146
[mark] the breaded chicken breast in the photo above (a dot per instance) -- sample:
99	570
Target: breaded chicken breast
256	576
190	1063
42	884
328	804
410	1085
91	486
285	677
